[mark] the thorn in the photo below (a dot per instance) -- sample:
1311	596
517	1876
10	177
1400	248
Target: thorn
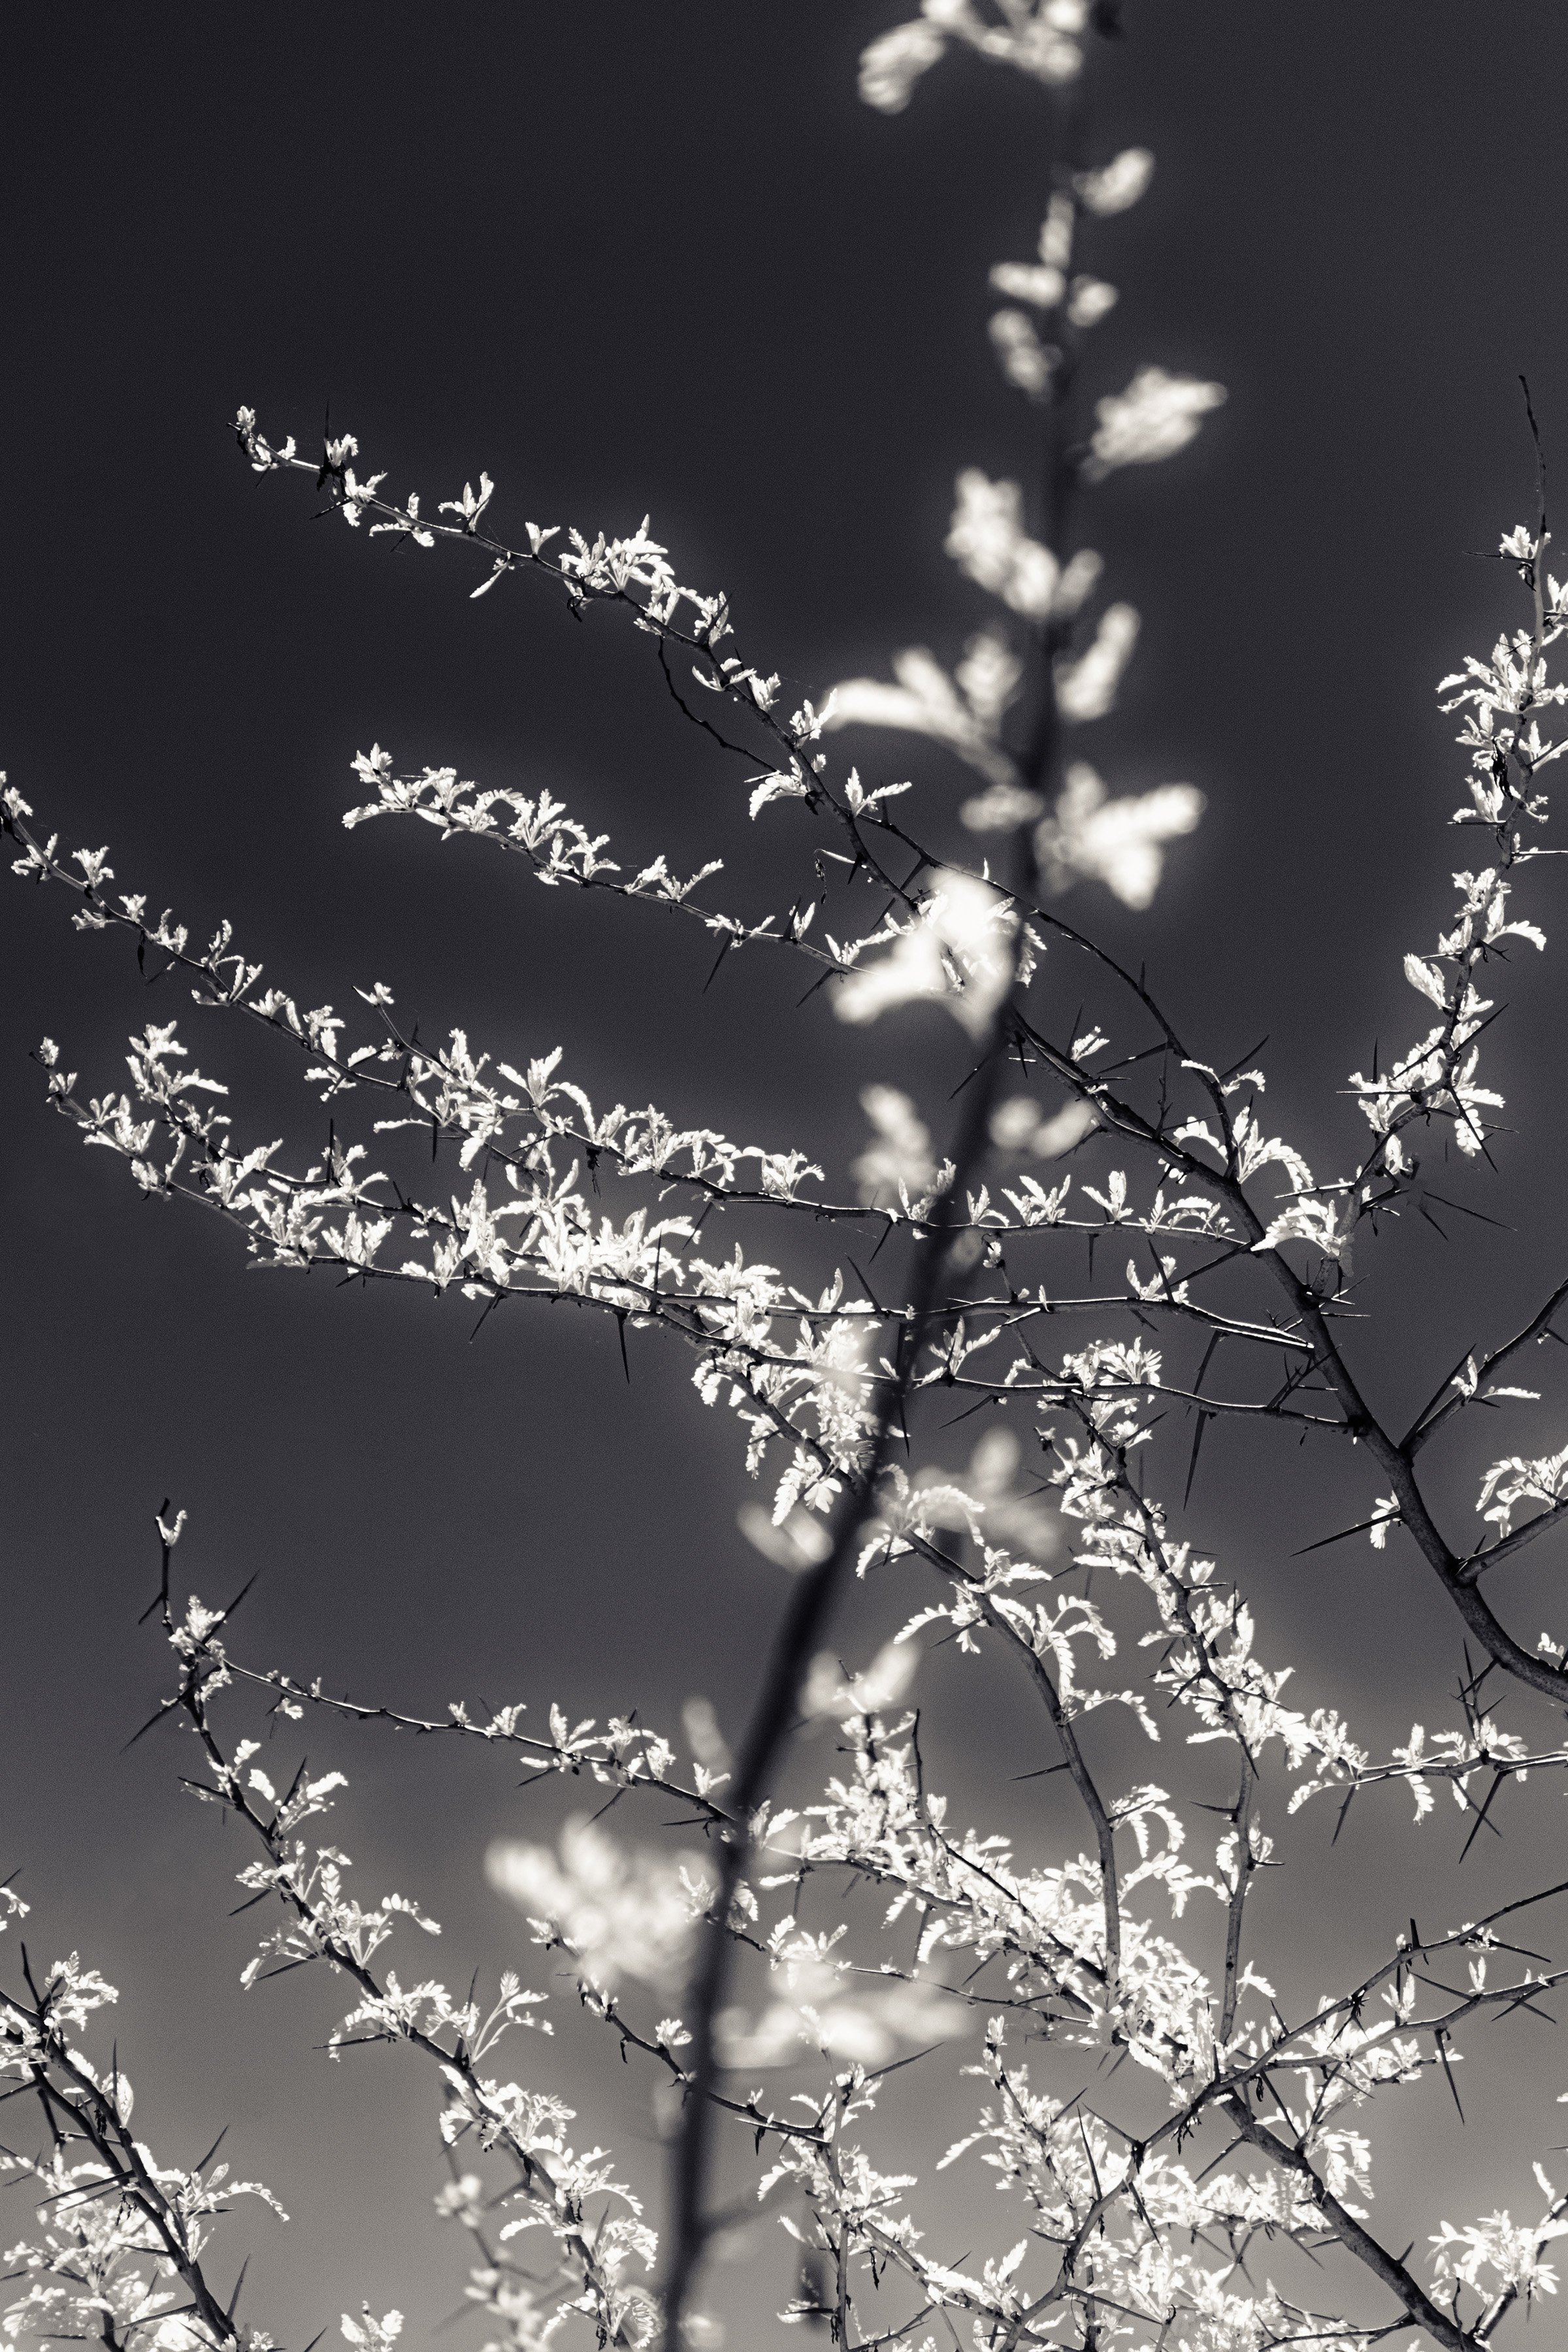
969	1411
239	1596
164	1708
1204	1419
1208	1351
1461	1210
714	974
1443	2054
1225	1074
1498	1779
869	1292
491	1303
1539	452
1360	1529
239	2281
968	1077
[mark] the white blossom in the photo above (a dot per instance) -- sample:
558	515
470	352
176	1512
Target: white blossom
956	951
1090	836
1155	416
1118	185
621	1915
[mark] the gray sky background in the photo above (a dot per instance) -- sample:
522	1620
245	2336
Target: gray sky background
657	258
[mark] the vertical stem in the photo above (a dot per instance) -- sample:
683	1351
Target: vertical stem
1242	1816
938	1269
794	1647
1093	1804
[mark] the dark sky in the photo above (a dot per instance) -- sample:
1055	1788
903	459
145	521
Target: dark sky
656	257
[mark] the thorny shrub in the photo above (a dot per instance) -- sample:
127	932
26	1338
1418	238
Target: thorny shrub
1241	2136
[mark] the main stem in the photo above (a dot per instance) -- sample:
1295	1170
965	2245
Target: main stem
939	1272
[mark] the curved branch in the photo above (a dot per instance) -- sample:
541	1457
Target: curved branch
1401	2283
1508	1545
